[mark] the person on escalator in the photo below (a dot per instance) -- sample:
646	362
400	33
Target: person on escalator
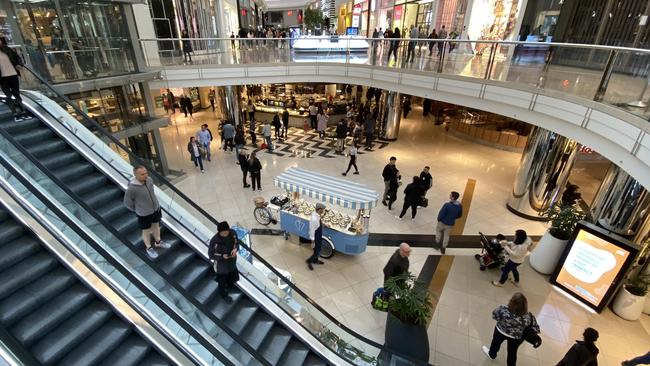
140	198
10	64
223	251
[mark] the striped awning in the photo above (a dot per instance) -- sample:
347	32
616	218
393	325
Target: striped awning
327	189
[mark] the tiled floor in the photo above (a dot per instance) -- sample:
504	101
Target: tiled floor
343	286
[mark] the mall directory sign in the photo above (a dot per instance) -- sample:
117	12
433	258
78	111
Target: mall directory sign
593	264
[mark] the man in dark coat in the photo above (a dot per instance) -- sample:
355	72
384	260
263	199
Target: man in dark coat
398	262
390	171
223	251
583	353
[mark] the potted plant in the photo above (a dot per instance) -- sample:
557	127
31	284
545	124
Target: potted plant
409	311
564	219
631	298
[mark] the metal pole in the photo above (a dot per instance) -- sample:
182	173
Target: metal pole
604	80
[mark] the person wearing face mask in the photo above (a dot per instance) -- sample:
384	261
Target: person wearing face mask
223	251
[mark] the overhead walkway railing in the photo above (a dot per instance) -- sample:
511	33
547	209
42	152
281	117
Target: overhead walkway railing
617	76
198	226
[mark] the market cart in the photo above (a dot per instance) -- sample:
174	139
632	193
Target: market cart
344	233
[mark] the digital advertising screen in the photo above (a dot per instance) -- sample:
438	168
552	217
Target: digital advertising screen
593	264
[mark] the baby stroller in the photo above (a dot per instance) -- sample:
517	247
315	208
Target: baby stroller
492	255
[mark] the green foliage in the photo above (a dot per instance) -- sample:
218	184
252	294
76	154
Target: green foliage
564	219
410	301
312	19
638	285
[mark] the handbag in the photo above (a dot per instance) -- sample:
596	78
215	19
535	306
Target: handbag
424	202
530	335
380	300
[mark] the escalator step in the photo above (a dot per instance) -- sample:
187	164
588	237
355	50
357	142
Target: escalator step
240	316
294	354
173	262
220	308
113	210
125	224
61	159
89	182
30	297
4	215
99	198
154	359
206	287
192	272
72	332
257	329
47	147
10	230
17	250
99	344
313	360
26	125
25	272
33	136
73	171
129	353
50	315
274	344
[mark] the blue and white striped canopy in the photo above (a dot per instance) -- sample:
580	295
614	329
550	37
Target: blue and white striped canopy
332	190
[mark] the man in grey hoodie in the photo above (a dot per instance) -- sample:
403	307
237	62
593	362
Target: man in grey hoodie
140	198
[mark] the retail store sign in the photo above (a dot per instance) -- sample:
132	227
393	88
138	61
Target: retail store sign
356	14
593	264
398	13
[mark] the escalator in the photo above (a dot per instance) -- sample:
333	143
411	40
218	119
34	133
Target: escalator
50	317
271	340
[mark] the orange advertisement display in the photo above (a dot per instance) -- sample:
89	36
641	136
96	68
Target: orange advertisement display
591	267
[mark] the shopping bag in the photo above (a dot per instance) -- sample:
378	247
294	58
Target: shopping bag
380	300
424	202
264	146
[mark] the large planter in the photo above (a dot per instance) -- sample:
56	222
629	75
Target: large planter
547	253
627	305
410	340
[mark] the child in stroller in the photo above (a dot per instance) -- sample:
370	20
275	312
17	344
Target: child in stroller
492	255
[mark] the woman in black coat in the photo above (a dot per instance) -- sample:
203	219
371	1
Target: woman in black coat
223	251
242	158
583	353
391	194
255	168
412	197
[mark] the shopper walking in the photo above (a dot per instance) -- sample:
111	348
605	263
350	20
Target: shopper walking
517	253
640	360
341	134
205	137
187	47
140	198
277	125
369	130
10	64
433	35
413	194
398	263
511	319
584	352
228	133
250	108
321	120
414	34
285	123
244	165
352	152
394	44
313	112
172	100
255	168
316	235
266	132
390	172
212	95
426	180
441	44
183	106
240	140
223	251
391	195
447	216
194	149
252	131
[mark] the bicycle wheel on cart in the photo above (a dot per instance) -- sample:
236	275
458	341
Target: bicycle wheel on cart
262	215
327	250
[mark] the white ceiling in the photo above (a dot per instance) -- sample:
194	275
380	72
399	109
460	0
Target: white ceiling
287	4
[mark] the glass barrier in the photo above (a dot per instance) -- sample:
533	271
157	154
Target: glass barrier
199	227
132	260
613	75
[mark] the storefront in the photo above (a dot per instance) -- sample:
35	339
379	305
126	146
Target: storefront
161	94
403	14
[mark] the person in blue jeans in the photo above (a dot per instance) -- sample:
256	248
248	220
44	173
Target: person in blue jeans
517	253
641	360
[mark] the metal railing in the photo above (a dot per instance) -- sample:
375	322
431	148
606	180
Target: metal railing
617	76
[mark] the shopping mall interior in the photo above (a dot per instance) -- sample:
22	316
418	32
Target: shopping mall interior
530	118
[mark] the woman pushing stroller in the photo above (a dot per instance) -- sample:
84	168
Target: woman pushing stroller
517	251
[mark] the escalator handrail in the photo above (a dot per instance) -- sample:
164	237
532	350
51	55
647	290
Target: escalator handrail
144	288
106	134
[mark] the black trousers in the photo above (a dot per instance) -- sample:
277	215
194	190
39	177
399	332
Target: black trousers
11	87
312	121
353	163
318	245
228	142
413	206
513	346
244	175
254	137
255	180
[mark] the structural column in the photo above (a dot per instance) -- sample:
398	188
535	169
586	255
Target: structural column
621	205
543	173
229	100
390	115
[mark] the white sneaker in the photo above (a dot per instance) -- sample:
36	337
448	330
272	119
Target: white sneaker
486	350
151	252
497	283
162	244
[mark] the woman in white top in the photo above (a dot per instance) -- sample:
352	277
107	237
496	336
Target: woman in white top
321	122
517	251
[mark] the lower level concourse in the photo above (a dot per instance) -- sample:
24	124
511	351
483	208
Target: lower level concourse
483	173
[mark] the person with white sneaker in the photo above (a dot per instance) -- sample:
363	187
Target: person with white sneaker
140	198
517	252
511	319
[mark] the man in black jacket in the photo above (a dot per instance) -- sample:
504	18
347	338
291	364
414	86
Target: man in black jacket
285	124
341	133
10	64
390	172
583	353
398	262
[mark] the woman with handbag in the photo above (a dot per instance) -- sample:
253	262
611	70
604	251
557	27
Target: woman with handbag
514	325
412	198
223	251
194	149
